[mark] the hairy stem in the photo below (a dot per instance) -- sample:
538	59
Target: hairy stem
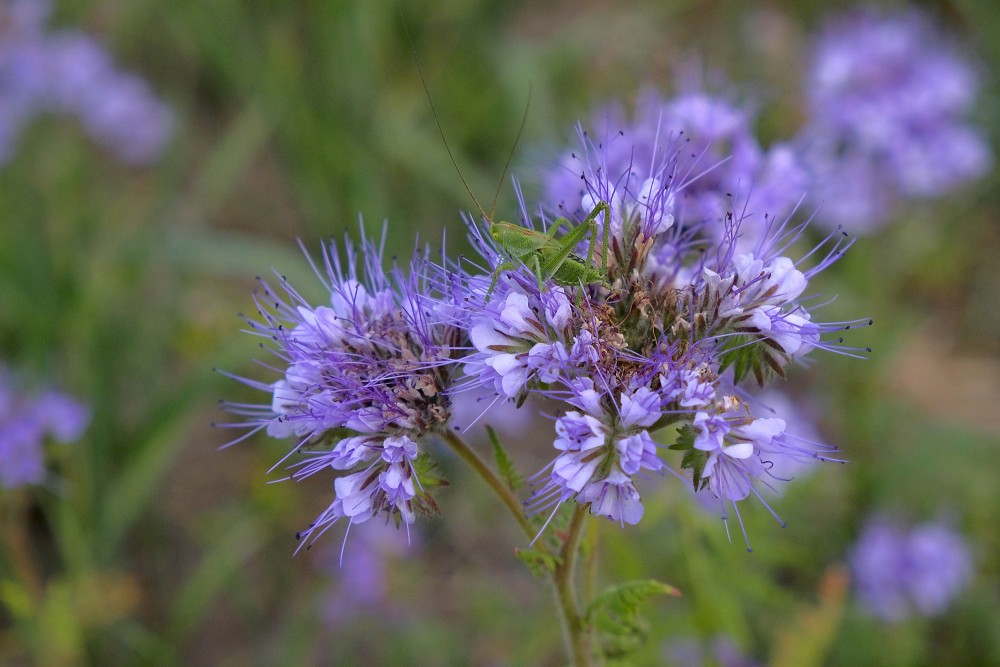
578	637
575	632
496	484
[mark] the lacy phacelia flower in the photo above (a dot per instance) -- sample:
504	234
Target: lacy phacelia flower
25	422
364	383
900	572
697	298
68	72
887	98
686	158
601	453
684	315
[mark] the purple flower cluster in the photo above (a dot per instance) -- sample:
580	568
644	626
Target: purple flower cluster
691	309
25	422
900	572
66	71
364	381
679	320
887	99
887	96
715	157
662	283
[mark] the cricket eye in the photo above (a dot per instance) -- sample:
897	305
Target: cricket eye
496	236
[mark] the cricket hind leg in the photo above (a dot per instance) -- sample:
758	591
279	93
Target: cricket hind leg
563	247
556	224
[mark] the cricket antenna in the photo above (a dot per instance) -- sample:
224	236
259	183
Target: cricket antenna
444	138
510	156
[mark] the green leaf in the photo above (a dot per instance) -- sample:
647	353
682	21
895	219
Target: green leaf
505	465
685	439
694	459
761	357
614	614
538	562
425	469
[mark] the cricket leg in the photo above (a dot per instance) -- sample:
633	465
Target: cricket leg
503	266
538	271
556	224
591	224
555	254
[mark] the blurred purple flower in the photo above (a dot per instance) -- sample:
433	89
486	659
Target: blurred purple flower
69	72
472	406
887	98
900	572
25	421
361	574
720	650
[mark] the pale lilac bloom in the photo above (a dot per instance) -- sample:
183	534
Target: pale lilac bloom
685	157
690	388
600	454
365	381
520	333
888	97
901	572
26	420
744	451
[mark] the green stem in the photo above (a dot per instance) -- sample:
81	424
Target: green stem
498	486
590	564
575	632
578	633
18	544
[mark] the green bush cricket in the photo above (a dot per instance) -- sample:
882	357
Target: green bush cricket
547	256
551	257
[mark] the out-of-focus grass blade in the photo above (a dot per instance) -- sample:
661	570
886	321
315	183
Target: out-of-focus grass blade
221	562
161	438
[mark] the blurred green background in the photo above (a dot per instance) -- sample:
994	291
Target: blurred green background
123	285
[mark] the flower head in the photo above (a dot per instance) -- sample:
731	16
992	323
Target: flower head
364	383
684	315
887	96
600	454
